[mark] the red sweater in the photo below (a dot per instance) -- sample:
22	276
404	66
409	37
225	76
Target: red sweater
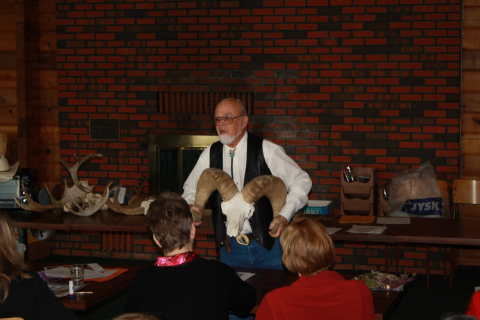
324	296
474	307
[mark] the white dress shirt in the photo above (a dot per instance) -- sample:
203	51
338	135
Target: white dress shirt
297	181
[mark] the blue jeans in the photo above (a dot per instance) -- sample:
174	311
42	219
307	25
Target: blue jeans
252	256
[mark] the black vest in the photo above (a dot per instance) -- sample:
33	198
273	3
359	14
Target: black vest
263	214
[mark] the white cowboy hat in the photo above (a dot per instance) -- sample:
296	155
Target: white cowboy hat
7	171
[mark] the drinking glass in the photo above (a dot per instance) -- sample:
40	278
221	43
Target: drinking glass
76	272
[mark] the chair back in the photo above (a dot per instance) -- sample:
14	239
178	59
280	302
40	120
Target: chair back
465	192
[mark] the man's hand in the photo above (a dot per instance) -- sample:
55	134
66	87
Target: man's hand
196	212
282	223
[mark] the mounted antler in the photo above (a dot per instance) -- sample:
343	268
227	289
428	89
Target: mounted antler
81	192
134	206
238	206
74	170
92	203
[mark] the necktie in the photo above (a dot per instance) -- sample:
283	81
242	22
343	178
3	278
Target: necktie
232	154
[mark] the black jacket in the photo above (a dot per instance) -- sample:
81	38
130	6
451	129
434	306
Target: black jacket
263	215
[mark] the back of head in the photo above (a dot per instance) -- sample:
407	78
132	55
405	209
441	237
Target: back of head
11	262
307	247
170	220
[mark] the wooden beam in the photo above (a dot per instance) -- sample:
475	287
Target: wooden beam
471	60
471	125
9	117
21	104
48	60
470	3
471	101
48	41
471	81
472	17
8	79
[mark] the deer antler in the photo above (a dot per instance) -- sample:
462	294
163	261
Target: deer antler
35	206
92	208
133	207
70	195
74	170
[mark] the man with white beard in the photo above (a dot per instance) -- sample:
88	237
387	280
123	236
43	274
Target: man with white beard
244	157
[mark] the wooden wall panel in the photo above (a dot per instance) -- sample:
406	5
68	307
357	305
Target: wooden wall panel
471	60
8	79
470	125
471	81
8	97
471	101
50	135
7	45
8	118
470	138
8	73
48	41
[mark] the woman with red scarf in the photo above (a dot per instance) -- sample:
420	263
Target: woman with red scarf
181	284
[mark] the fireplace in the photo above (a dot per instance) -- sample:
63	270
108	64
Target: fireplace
171	158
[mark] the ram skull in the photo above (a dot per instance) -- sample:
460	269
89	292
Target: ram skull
238	206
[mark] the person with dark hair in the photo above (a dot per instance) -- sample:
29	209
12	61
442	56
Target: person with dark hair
318	293
244	157
23	293
181	284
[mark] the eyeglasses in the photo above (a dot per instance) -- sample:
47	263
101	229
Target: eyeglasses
228	120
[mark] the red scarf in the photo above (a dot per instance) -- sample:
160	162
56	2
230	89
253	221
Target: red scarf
176	260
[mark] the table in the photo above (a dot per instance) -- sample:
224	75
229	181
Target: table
420	231
101	290
266	280
423	231
106	220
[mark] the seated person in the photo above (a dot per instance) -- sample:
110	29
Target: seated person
23	293
474	307
318	293
181	284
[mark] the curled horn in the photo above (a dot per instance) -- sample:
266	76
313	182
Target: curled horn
209	181
269	186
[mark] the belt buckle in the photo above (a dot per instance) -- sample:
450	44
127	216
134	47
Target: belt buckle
243	240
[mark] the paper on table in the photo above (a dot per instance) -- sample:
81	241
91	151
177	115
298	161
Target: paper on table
61	290
393	220
64	272
357	219
245	275
367	229
333	230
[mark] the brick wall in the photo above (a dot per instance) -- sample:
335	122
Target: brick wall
366	82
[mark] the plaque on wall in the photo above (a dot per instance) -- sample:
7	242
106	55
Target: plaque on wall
105	129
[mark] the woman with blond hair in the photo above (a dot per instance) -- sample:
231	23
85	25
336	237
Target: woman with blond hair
318	293
23	293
